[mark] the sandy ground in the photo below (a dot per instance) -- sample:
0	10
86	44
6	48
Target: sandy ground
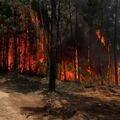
30	100
7	111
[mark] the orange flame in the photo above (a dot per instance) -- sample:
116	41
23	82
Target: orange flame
68	69
100	37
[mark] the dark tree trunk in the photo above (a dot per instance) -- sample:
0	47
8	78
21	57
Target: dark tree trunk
25	45
4	63
25	49
0	53
77	46
15	42
52	77
65	79
115	43
89	49
19	54
15	52
7	49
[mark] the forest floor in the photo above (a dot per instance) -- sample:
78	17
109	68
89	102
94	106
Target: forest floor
27	98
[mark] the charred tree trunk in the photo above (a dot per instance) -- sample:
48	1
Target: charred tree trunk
77	41
58	31
59	37
4	55
115	43
65	73
52	77
15	51
63	67
102	33
7	49
19	54
25	45
25	49
71	37
78	64
0	53
61	51
15	42
89	49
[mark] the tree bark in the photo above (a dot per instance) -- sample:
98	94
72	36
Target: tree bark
115	43
15	42
53	65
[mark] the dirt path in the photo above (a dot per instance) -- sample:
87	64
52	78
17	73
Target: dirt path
29	100
13	99
20	101
11	105
7	111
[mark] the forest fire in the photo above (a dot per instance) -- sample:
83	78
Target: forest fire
55	54
31	59
69	70
28	49
67	73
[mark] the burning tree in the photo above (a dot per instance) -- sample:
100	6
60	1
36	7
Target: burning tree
73	40
24	40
